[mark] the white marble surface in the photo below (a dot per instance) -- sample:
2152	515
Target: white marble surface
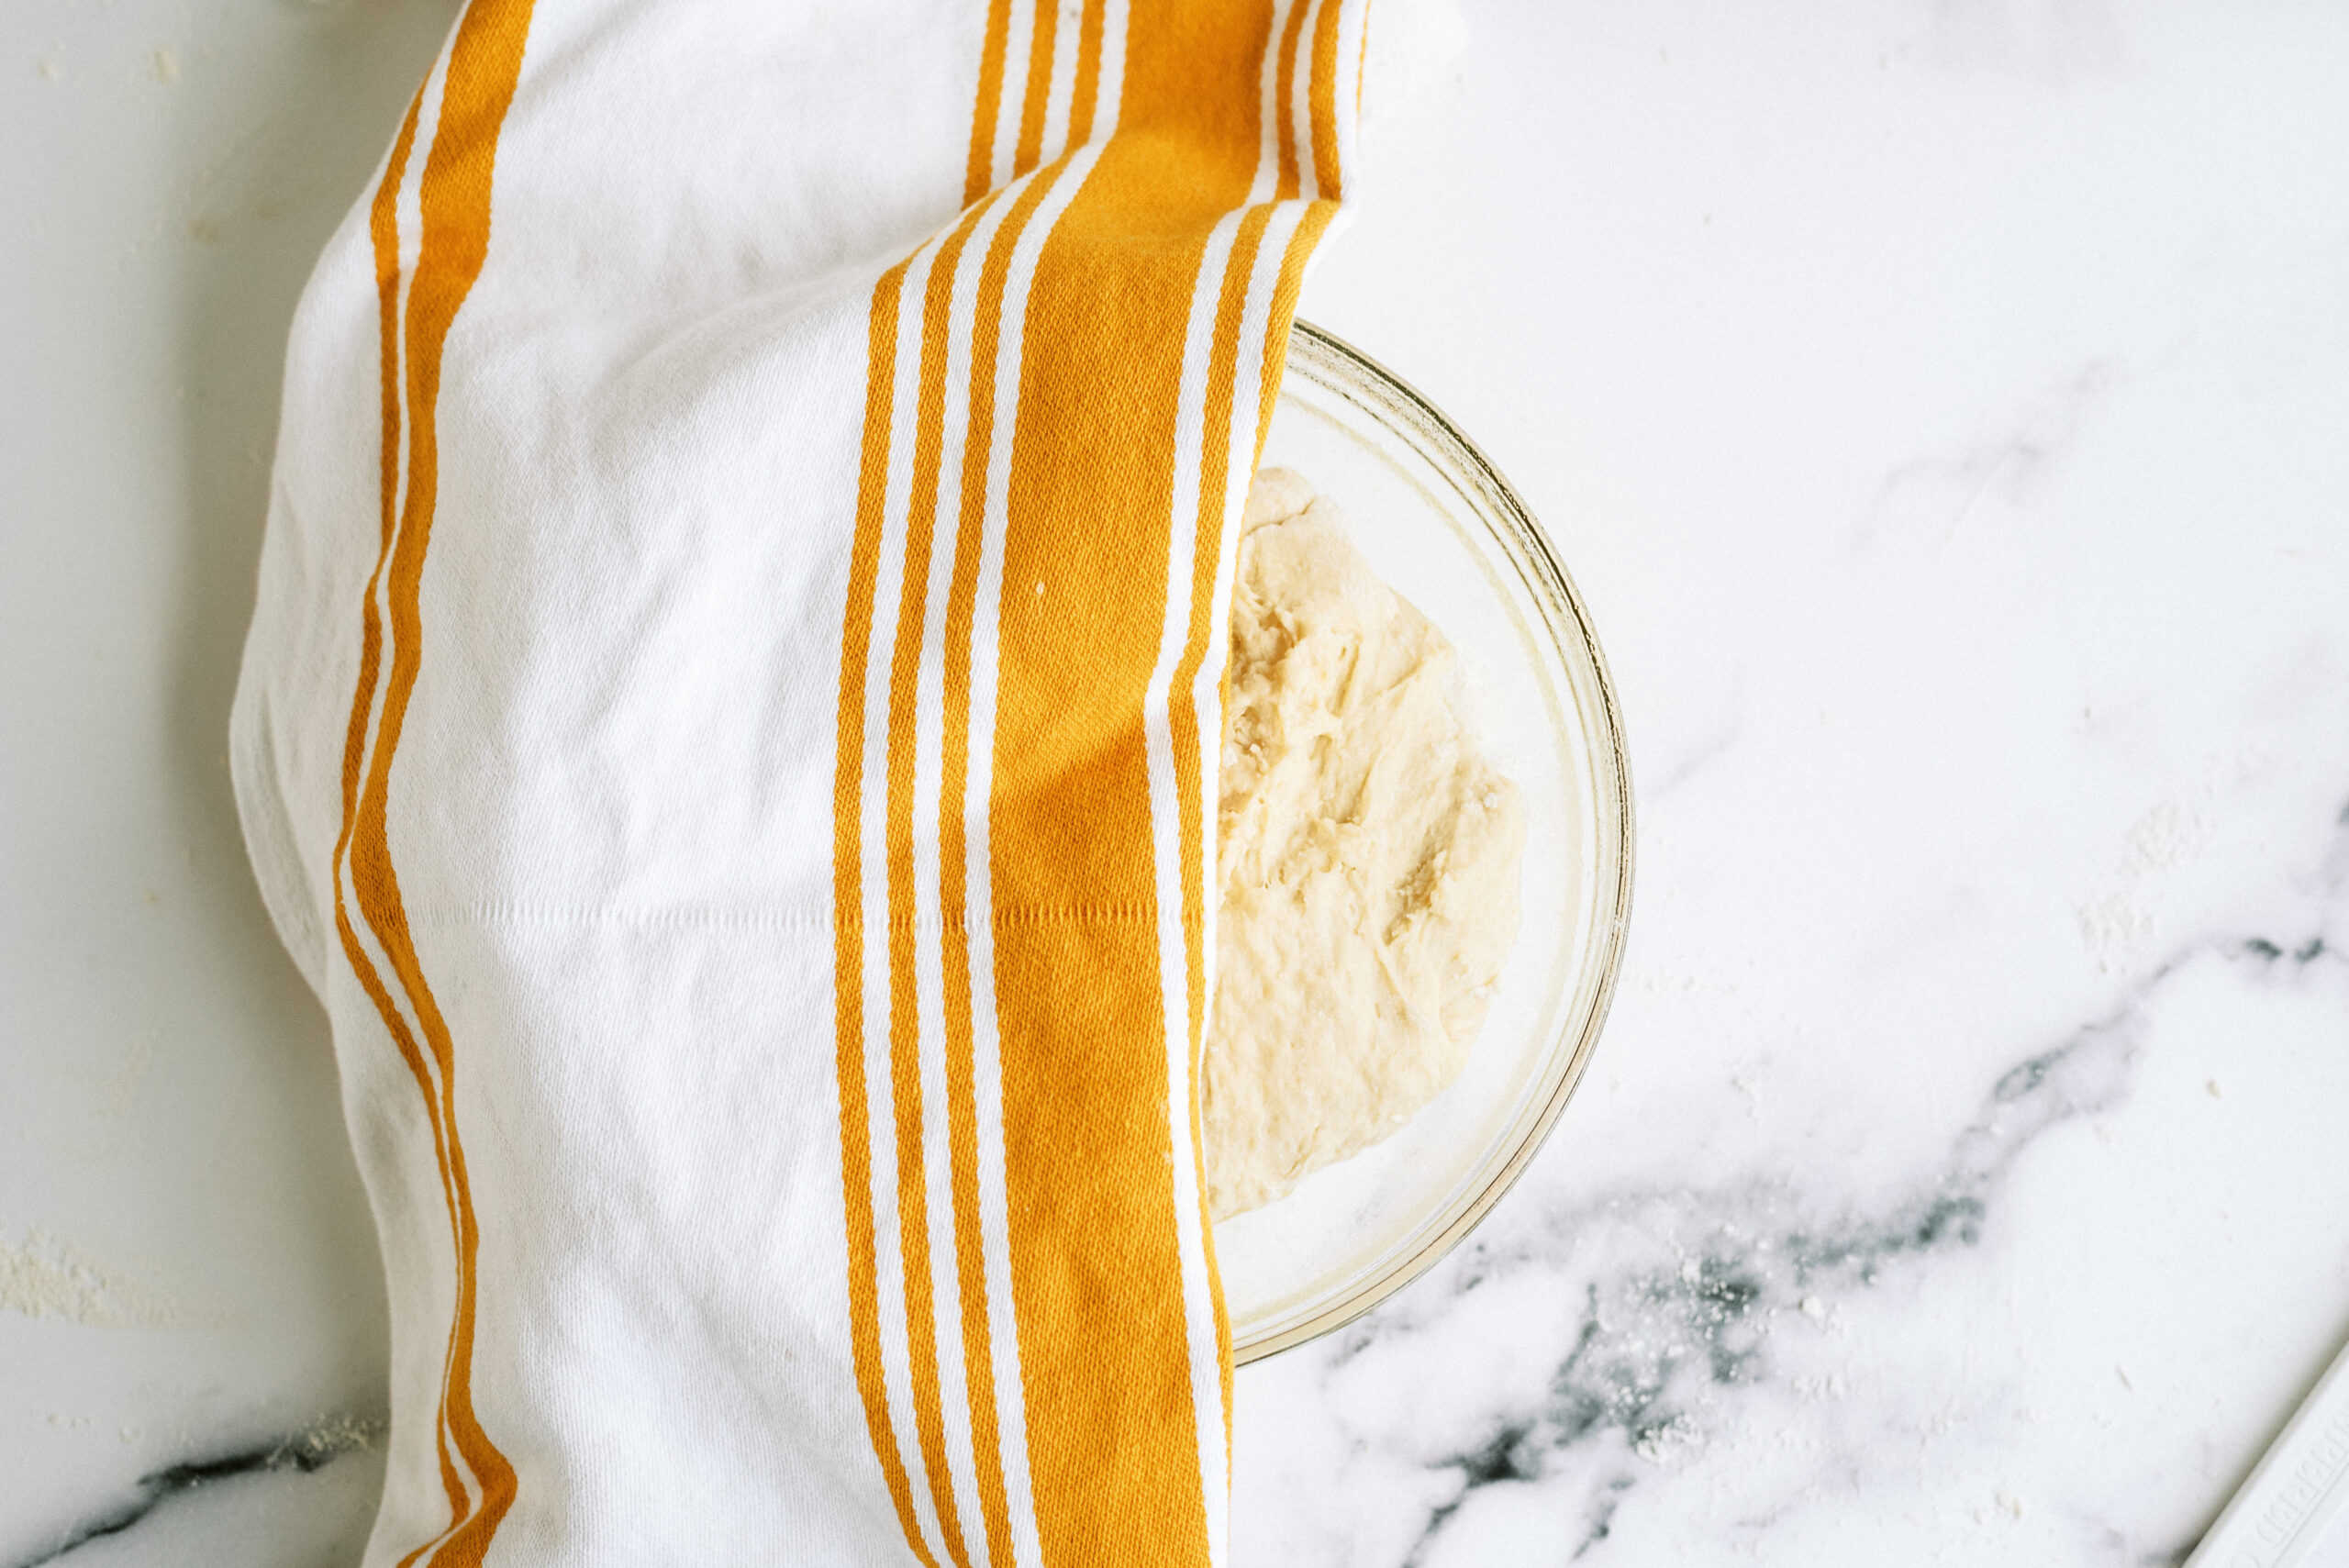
1942	406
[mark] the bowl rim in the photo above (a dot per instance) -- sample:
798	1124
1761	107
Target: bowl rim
1346	370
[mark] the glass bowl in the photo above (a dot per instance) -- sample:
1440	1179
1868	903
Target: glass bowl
1436	521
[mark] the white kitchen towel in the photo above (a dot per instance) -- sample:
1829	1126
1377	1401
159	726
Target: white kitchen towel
729	730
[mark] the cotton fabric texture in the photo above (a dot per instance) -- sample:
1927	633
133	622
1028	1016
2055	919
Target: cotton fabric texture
730	732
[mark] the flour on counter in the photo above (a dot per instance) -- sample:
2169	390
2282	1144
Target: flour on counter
44	1278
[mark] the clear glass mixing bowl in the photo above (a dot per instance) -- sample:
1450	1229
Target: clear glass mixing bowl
1439	524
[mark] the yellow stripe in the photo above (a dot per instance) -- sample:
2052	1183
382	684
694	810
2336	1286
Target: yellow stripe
1287	185
1310	230
1087	90
1105	1346
1096	1272
905	1028
1184	720
1040	88
980	174
1327	176
953	849
485	62
1361	57
848	896
383	230
848	793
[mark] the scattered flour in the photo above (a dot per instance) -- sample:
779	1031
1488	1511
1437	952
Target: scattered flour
44	1278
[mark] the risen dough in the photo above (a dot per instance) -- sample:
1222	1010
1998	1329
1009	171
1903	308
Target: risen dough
1369	860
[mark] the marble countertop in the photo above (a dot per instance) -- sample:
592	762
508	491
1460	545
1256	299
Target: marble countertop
1942	407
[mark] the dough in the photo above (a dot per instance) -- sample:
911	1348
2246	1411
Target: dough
1369	860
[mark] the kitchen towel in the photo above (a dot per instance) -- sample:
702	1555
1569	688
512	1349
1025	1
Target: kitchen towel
730	731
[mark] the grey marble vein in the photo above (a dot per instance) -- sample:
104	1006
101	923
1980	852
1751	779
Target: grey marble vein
302	1452
1682	1289
1934	494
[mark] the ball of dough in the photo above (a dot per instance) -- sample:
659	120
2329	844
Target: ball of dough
1368	860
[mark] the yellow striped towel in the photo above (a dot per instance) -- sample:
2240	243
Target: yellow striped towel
730	731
